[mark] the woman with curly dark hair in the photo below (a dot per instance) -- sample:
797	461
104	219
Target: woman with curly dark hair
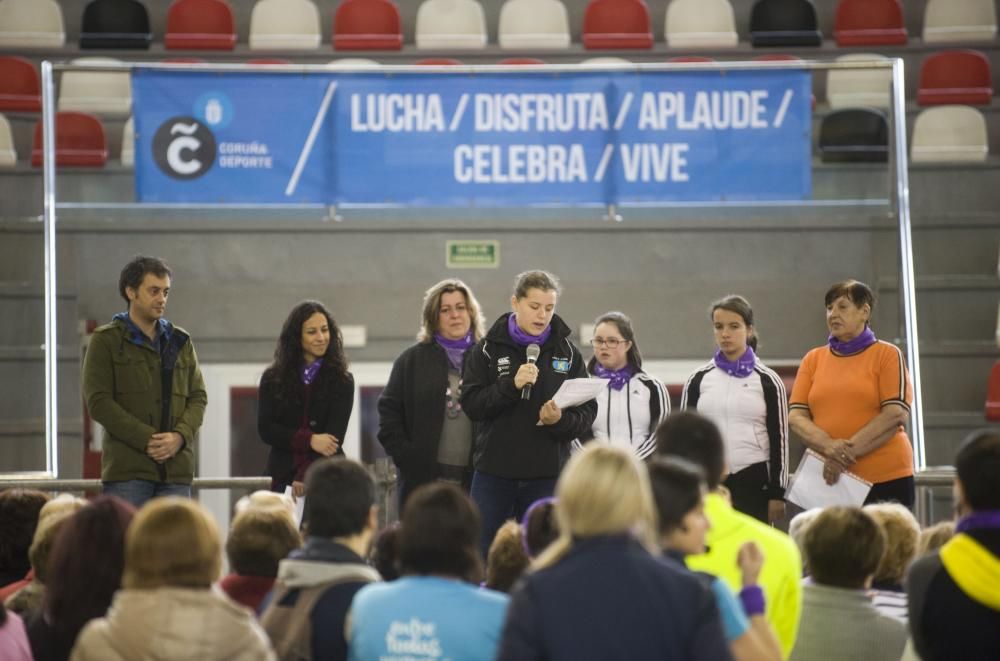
305	396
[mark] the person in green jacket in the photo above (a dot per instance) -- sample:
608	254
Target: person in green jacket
142	383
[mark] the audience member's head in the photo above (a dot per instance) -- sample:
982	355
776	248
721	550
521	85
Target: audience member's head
695	438
539	526
844	546
259	538
439	534
19	510
902	533
85	567
340	499
50	521
385	552
678	491
977	465
934	537
603	490
797	531
507	559
172	542
266	500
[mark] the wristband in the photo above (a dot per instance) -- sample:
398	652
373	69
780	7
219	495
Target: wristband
752	598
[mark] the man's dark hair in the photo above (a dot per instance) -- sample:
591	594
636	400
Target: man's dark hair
843	547
978	466
677	487
385	552
134	272
440	533
339	495
696	438
540	526
19	510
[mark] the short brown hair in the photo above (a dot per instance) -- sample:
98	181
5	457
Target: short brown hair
135	272
259	538
430	316
856	292
843	546
172	542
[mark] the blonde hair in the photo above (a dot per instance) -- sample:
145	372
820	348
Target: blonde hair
266	500
603	490
172	542
902	534
50	521
432	309
936	536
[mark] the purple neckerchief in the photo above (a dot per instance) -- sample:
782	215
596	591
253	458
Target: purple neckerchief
860	343
741	368
523	338
617	379
454	348
984	519
309	372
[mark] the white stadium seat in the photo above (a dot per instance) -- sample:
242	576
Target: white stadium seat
8	157
854	88
959	20
284	25
128	143
955	134
692	24
450	24
96	92
31	24
534	25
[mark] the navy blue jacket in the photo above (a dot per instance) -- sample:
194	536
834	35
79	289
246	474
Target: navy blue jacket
609	598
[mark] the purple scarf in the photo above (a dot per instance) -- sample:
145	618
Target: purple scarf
522	338
851	347
989	519
741	368
309	372
617	379
454	348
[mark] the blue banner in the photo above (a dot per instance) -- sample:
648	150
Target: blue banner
472	139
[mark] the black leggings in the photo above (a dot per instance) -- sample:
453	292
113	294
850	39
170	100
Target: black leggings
748	489
902	491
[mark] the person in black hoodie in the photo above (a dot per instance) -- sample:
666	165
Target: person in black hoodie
421	424
305	396
516	459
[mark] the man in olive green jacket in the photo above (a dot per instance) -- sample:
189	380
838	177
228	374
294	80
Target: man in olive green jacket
142	383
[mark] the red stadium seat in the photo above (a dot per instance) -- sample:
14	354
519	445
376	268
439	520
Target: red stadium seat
617	24
680	59
869	23
79	141
367	25
439	61
521	60
993	394
956	77
200	25
20	90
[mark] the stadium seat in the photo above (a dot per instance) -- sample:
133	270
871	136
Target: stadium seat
959	20
617	25
517	61
450	24
849	88
118	24
854	135
783	57
534	25
284	25
79	141
352	63
700	24
998	311
681	59
367	25
784	23
606	60
31	24
955	76
8	156
20	90
438	62
269	61
128	143
98	92
949	134
869	23
184	60
993	394
200	25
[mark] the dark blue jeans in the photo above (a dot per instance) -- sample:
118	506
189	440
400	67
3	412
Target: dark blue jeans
138	492
499	499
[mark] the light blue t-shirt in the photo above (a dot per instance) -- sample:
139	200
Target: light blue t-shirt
734	621
425	617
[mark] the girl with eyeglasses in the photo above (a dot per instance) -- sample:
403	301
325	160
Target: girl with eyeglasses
635	402
747	401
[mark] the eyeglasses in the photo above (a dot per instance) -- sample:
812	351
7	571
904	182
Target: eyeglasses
611	342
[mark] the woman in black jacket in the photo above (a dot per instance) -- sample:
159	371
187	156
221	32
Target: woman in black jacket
305	396
522	437
421	423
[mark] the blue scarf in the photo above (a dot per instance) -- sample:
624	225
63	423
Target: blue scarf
163	329
454	348
617	379
741	368
522	338
857	345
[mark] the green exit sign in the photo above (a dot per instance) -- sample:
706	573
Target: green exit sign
472	254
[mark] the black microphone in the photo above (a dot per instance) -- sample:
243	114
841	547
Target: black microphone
532	352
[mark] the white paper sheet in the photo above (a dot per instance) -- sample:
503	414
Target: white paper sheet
808	489
300	505
574	392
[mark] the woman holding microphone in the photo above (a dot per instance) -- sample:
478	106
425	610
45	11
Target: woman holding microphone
522	438
747	401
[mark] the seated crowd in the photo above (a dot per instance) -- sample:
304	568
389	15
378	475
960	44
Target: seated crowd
630	560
